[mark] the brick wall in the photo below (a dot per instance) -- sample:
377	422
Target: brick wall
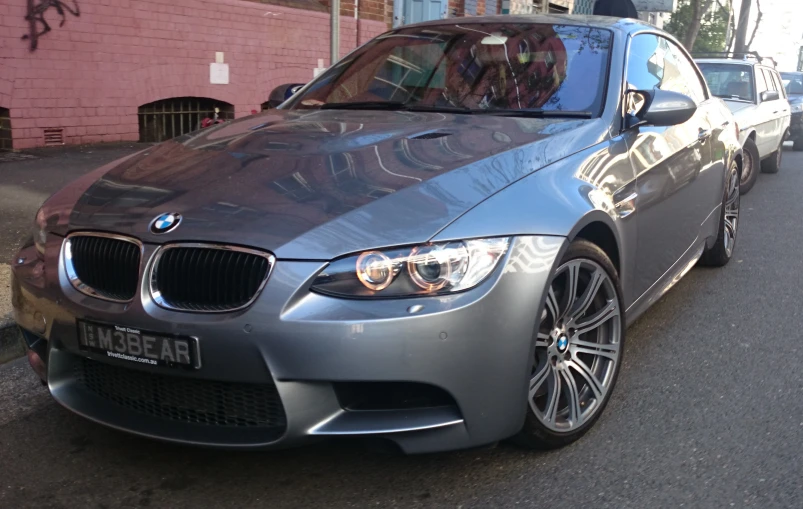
90	75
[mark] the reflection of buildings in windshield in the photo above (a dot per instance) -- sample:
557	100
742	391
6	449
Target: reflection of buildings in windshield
478	66
655	66
524	72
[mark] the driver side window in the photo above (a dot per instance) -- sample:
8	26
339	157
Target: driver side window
655	62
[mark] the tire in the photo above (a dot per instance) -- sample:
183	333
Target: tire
798	145
750	166
574	371
773	163
720	254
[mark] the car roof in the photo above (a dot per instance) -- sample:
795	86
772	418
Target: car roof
734	61
626	25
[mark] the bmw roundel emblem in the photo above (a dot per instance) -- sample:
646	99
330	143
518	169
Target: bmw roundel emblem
165	223
563	342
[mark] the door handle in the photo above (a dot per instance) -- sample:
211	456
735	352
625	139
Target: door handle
775	112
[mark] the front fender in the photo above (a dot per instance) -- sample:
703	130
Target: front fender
596	185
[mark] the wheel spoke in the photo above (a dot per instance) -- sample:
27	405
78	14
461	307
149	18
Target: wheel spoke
572	398
585	300
608	351
730	227
538	380
541	340
572	282
553	397
597	319
733	196
591	379
552	305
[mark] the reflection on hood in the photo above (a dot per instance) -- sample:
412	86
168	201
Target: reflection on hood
325	180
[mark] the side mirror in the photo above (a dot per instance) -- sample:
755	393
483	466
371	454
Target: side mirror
770	95
660	108
283	93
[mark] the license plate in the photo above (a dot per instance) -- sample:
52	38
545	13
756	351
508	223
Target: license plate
135	345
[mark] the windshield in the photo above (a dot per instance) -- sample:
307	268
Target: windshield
729	81
489	67
793	82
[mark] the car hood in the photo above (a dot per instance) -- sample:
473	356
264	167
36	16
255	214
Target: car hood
738	106
316	185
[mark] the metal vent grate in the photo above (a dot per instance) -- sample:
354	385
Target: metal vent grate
5	129
187	400
168	118
207	277
53	136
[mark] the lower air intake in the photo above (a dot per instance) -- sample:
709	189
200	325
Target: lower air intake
186	400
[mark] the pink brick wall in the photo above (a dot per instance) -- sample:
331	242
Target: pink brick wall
89	76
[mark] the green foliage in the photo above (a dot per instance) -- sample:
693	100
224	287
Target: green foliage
713	29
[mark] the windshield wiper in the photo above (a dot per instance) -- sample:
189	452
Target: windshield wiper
535	113
439	109
732	97
395	106
400	106
364	105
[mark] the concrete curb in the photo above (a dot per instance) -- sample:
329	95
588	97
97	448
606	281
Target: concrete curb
10	341
10	337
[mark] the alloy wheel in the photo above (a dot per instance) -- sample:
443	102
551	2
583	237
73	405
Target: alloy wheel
578	346
731	222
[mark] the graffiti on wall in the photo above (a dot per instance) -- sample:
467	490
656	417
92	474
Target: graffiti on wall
38	25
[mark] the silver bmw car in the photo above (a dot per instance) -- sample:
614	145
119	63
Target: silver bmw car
439	242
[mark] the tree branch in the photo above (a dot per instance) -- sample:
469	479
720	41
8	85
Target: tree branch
758	21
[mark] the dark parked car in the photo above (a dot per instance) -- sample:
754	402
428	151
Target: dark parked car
793	82
439	242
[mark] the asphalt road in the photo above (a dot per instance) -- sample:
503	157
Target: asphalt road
26	183
708	412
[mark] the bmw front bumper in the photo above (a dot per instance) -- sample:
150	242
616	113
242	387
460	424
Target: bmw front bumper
430	374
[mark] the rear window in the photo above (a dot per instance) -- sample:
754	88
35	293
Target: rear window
729	81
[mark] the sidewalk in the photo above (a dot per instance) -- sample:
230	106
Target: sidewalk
10	346
26	180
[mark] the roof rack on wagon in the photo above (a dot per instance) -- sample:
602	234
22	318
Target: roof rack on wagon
747	55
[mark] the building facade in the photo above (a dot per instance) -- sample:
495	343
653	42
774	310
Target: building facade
127	70
88	71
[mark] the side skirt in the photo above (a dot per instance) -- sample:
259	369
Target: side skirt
666	282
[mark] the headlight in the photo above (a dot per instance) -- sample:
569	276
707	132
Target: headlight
40	231
428	269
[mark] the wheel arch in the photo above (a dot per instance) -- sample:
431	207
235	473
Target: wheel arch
599	233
